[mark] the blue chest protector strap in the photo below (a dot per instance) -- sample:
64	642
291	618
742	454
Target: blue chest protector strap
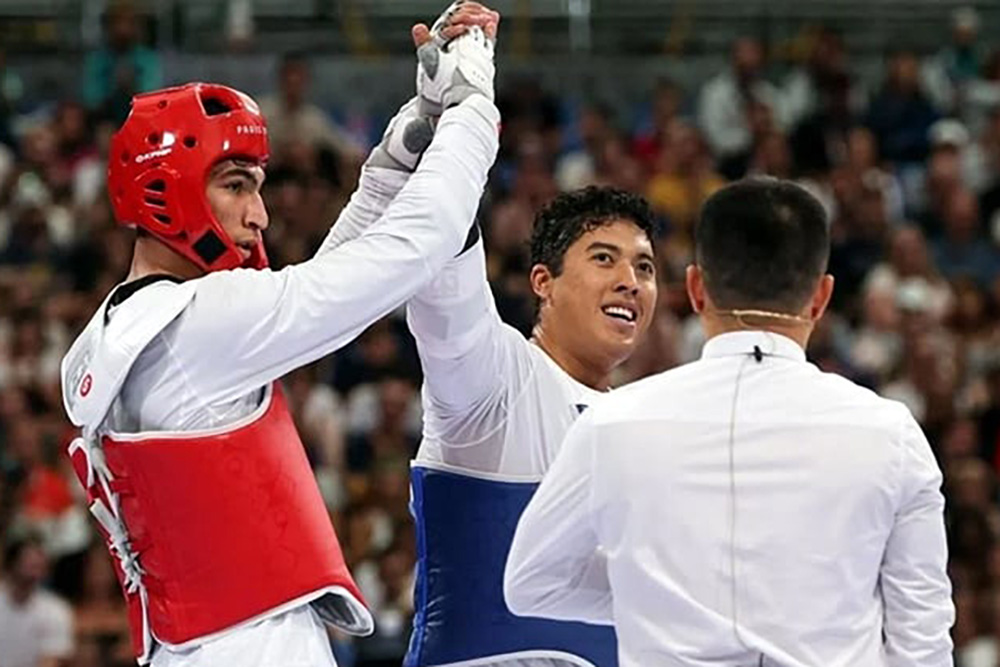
465	526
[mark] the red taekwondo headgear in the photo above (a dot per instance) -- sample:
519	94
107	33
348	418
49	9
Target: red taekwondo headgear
160	162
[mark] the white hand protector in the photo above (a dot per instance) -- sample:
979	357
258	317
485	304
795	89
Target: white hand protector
407	136
449	72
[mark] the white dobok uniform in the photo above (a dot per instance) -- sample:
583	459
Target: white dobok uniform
496	408
243	329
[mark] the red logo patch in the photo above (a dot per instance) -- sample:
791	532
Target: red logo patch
86	384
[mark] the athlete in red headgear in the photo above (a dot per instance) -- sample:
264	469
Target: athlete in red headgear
192	465
165	153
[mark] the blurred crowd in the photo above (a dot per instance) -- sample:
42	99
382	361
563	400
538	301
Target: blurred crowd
908	168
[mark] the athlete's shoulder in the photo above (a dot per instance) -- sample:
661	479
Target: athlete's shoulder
100	357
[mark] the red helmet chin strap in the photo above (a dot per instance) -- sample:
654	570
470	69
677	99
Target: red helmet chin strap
161	159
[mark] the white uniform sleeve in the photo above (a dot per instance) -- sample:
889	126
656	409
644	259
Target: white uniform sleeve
474	364
555	568
914	582
455	324
252	327
377	187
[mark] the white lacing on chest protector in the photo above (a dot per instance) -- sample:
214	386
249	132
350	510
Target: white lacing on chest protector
108	514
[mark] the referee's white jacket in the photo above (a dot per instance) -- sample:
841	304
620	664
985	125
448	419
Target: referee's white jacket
737	512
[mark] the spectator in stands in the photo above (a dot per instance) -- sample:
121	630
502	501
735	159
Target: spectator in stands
863	159
530	114
771	157
823	86
617	167
533	184
36	627
577	168
391	439
908	258
821	101
901	114
649	144
725	101
950	136
971	319
292	119
962	250
393	611
319	414
684	180
876	346
100	617
382	351
981	95
121	67
942	179
982	645
46	494
947	73
860	233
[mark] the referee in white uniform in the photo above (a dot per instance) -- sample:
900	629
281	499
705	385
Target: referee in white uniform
747	508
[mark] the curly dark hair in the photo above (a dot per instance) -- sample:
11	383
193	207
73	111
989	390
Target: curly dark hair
572	214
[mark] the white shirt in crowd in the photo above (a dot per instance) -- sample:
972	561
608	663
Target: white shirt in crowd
244	329
722	112
40	628
733	512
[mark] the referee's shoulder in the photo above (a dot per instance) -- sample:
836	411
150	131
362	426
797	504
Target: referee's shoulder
839	392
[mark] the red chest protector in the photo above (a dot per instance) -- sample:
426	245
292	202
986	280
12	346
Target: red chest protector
214	529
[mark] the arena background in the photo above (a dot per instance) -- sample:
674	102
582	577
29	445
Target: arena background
888	110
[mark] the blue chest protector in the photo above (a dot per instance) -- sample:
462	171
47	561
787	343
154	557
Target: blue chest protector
465	526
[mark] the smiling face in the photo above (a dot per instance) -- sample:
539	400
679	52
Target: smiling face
233	192
599	305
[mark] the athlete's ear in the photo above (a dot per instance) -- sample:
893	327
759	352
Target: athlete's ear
541	280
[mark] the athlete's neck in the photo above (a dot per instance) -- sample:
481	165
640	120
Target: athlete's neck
152	256
594	375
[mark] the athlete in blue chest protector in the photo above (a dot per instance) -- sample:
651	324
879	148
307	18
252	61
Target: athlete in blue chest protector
496	408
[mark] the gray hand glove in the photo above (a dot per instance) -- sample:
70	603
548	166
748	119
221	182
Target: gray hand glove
407	136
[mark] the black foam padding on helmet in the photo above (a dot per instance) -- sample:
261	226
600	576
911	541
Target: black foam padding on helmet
209	247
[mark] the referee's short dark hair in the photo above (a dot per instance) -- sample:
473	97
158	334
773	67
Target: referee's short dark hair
762	243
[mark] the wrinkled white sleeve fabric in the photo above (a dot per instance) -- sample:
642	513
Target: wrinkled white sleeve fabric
377	187
468	354
252	327
475	367
914	582
555	569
